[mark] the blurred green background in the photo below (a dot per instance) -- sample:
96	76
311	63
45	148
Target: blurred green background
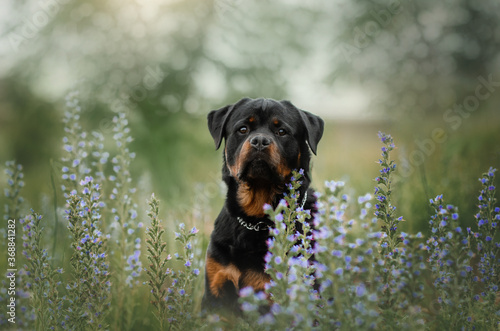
428	72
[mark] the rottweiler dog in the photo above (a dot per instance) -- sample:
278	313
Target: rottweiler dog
265	140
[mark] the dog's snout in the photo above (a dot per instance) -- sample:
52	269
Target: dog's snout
260	142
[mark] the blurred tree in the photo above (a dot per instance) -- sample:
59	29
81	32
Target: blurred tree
167	63
162	62
418	57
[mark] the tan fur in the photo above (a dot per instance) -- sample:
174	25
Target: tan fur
283	170
256	279
235	168
252	200
219	274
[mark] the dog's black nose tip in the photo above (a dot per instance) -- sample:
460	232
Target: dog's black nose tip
260	142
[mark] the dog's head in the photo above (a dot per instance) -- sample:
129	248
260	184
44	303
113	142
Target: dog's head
264	140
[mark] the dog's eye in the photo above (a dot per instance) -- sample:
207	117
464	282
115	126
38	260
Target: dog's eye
243	130
281	132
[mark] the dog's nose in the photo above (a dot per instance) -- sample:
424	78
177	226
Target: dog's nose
260	142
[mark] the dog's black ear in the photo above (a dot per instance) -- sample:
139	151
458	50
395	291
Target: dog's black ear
314	126
217	120
216	123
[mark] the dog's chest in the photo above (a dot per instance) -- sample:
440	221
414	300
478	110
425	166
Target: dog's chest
249	247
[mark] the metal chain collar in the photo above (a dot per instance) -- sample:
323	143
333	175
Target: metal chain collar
261	226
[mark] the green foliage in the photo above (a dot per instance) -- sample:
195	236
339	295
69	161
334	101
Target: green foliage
157	271
287	264
89	293
339	268
15	184
385	210
43	279
179	299
173	304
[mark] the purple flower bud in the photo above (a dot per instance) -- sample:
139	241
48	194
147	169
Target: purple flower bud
246	291
268	257
360	290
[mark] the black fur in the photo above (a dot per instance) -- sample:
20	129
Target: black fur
257	163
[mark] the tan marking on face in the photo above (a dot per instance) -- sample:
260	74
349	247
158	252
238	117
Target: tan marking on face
251	119
278	162
276	121
234	169
218	275
253	199
274	154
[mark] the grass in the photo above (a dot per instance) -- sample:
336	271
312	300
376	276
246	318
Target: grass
117	267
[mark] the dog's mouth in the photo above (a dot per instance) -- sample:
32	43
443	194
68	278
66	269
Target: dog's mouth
261	176
257	168
262	167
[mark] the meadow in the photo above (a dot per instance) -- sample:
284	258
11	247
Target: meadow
101	257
